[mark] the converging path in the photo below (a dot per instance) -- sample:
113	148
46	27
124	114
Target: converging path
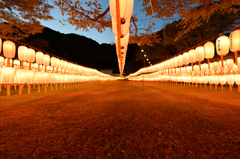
121	120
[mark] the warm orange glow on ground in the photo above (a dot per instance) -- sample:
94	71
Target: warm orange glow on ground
119	120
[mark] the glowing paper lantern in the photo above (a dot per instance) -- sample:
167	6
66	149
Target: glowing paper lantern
124	27
204	68
205	80
31	57
209	50
126	8
185	58
21	79
222	46
216	81
39	58
230	64
8	77
234	38
38	79
237	80
215	66
29	74
230	81
22	53
223	80
46	61
180	60
9	50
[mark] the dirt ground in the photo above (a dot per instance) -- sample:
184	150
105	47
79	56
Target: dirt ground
121	120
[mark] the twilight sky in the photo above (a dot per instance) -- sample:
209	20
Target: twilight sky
107	36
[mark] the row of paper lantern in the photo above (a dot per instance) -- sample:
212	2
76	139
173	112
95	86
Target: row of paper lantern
212	79
25	71
126	9
216	80
28	56
207	51
229	67
9	75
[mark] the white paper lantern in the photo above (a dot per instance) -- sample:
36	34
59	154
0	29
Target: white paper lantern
9	49
39	58
209	50
7	75
20	76
230	64
223	80
230	79
22	53
199	51
192	56
185	58
234	38
222	45
126	8
31	55
46	59
29	76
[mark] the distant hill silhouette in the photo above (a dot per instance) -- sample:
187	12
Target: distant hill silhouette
83	50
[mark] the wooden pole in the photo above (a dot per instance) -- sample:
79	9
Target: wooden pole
20	88
38	87
236	60
8	90
230	86
222	86
29	88
215	86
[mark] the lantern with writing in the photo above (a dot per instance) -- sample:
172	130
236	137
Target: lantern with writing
234	38
222	46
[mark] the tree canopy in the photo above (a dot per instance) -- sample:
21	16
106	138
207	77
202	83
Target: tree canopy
20	18
90	14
